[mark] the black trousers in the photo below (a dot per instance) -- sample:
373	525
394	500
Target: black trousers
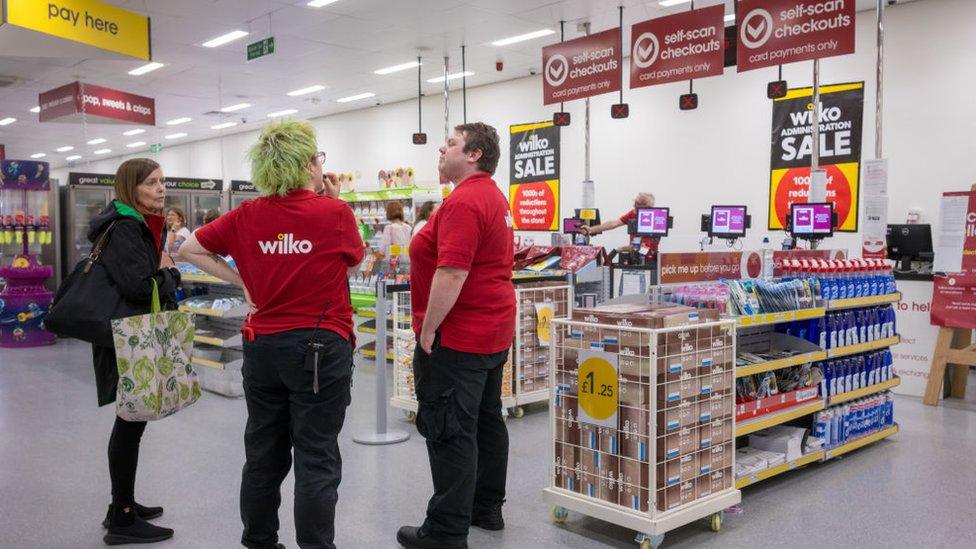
123	460
284	413
460	415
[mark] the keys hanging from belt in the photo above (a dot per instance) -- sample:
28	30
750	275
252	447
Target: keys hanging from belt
314	352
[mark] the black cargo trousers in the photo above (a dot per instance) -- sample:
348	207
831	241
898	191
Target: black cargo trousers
460	415
284	413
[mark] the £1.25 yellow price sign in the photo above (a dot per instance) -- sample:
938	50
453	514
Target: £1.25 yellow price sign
598	388
543	313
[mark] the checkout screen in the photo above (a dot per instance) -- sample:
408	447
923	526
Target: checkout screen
813	218
652	221
729	220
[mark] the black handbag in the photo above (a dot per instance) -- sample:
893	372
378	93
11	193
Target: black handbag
87	301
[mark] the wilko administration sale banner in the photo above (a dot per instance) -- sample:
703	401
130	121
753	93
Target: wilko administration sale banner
777	32
533	191
581	68
678	47
841	117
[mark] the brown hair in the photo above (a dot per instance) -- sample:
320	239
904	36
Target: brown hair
481	136
394	211
426	210
130	175
179	213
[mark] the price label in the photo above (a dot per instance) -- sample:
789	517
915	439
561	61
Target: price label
598	388
544	313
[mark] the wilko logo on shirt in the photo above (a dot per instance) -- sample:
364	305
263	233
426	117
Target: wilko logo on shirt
285	245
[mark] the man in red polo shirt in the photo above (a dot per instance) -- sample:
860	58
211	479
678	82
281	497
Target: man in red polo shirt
648	244
464	317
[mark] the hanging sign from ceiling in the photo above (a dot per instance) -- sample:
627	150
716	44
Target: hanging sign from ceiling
581	68
91	22
777	32
77	100
678	47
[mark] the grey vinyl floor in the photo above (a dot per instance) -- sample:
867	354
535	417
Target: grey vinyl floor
917	489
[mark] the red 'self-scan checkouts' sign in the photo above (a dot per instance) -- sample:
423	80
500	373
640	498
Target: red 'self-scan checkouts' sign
777	32
677	47
581	68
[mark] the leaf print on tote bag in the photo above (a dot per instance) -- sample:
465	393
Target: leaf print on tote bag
153	355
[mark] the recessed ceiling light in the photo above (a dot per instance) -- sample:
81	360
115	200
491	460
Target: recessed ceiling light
178	121
453	76
148	67
73	157
223	125
669	3
356	97
38	155
35	110
176	135
303	91
65	149
320	3
136	131
730	17
397	68
7	121
103	151
225	38
135	144
237	107
98	141
285	112
523	37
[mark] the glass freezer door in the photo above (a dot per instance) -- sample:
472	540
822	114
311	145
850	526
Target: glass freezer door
86	204
201	204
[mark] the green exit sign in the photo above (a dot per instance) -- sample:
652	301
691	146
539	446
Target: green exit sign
155	147
260	48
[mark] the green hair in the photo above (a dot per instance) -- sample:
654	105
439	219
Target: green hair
280	158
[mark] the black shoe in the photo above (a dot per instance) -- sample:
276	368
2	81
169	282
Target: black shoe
488	517
413	537
143	512
139	531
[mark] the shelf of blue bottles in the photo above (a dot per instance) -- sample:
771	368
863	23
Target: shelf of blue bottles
24	221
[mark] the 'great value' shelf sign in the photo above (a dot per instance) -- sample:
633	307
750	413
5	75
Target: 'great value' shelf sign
88	22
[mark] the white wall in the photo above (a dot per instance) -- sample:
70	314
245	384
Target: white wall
689	160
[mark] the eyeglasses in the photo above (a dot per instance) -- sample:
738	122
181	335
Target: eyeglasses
320	156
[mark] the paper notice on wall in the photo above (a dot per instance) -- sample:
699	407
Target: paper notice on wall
873	237
875	177
952	234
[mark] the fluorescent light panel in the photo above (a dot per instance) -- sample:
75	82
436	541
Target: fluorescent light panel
303	91
397	68
103	151
285	112
523	37
178	121
669	3
74	157
38	155
356	97
223	125
148	67
453	76
135	144
224	39
176	135
7	121
98	141
237	107
35	110
320	3
65	149
134	132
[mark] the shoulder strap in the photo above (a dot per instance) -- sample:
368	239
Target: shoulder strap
99	246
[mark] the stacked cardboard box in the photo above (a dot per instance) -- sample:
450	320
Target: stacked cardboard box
532	353
688	371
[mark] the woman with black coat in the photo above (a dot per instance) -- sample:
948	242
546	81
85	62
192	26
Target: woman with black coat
133	258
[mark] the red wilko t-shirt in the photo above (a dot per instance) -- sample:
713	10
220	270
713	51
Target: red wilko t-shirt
472	230
293	253
650	242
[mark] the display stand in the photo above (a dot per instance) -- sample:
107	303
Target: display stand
952	347
381	435
217	343
641	424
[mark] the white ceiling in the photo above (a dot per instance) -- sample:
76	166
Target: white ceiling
339	46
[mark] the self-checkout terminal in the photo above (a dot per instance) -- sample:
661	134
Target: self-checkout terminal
811	221
728	223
